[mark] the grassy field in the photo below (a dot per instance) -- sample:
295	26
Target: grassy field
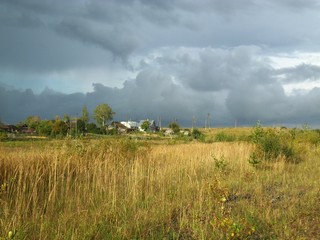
161	188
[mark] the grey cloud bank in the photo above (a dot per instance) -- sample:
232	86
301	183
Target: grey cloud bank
233	85
175	59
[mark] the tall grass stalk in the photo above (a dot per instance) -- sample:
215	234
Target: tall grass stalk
121	189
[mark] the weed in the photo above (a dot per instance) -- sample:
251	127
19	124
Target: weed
197	134
272	145
254	160
220	163
223	137
3	136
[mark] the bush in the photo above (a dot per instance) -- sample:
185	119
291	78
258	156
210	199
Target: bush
271	145
197	134
145	125
175	127
3	136
223	137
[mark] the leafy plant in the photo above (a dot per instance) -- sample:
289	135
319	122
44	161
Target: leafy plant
145	125
3	136
253	159
223	137
271	145
220	163
197	134
103	113
175	127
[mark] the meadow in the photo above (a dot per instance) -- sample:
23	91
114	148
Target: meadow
231	184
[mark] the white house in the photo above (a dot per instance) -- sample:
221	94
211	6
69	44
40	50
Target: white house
131	125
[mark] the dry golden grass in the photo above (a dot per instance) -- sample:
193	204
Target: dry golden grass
121	189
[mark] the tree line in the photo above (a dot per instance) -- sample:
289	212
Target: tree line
75	126
67	125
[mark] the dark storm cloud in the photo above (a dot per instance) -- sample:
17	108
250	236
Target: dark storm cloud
197	57
118	41
250	103
248	87
252	91
126	27
219	69
149	95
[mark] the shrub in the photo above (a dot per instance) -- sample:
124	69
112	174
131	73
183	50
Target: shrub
220	163
3	136
175	127
197	134
272	144
145	125
223	137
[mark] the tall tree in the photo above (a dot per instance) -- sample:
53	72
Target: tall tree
81	126
85	115
66	118
32	122
59	127
174	126
45	127
145	125
103	113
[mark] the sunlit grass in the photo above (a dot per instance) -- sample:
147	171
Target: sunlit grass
126	189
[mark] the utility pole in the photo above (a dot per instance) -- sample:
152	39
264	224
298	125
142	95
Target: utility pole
208	120
77	125
193	122
159	122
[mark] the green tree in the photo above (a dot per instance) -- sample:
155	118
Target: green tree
32	122
103	113
175	127
197	134
81	126
66	118
59	127
85	115
45	127
92	128
145	125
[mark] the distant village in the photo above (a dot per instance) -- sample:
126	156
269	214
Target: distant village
130	126
76	126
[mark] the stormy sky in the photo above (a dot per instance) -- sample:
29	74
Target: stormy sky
243	60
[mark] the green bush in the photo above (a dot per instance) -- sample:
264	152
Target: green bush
272	144
197	134
223	137
175	127
3	136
